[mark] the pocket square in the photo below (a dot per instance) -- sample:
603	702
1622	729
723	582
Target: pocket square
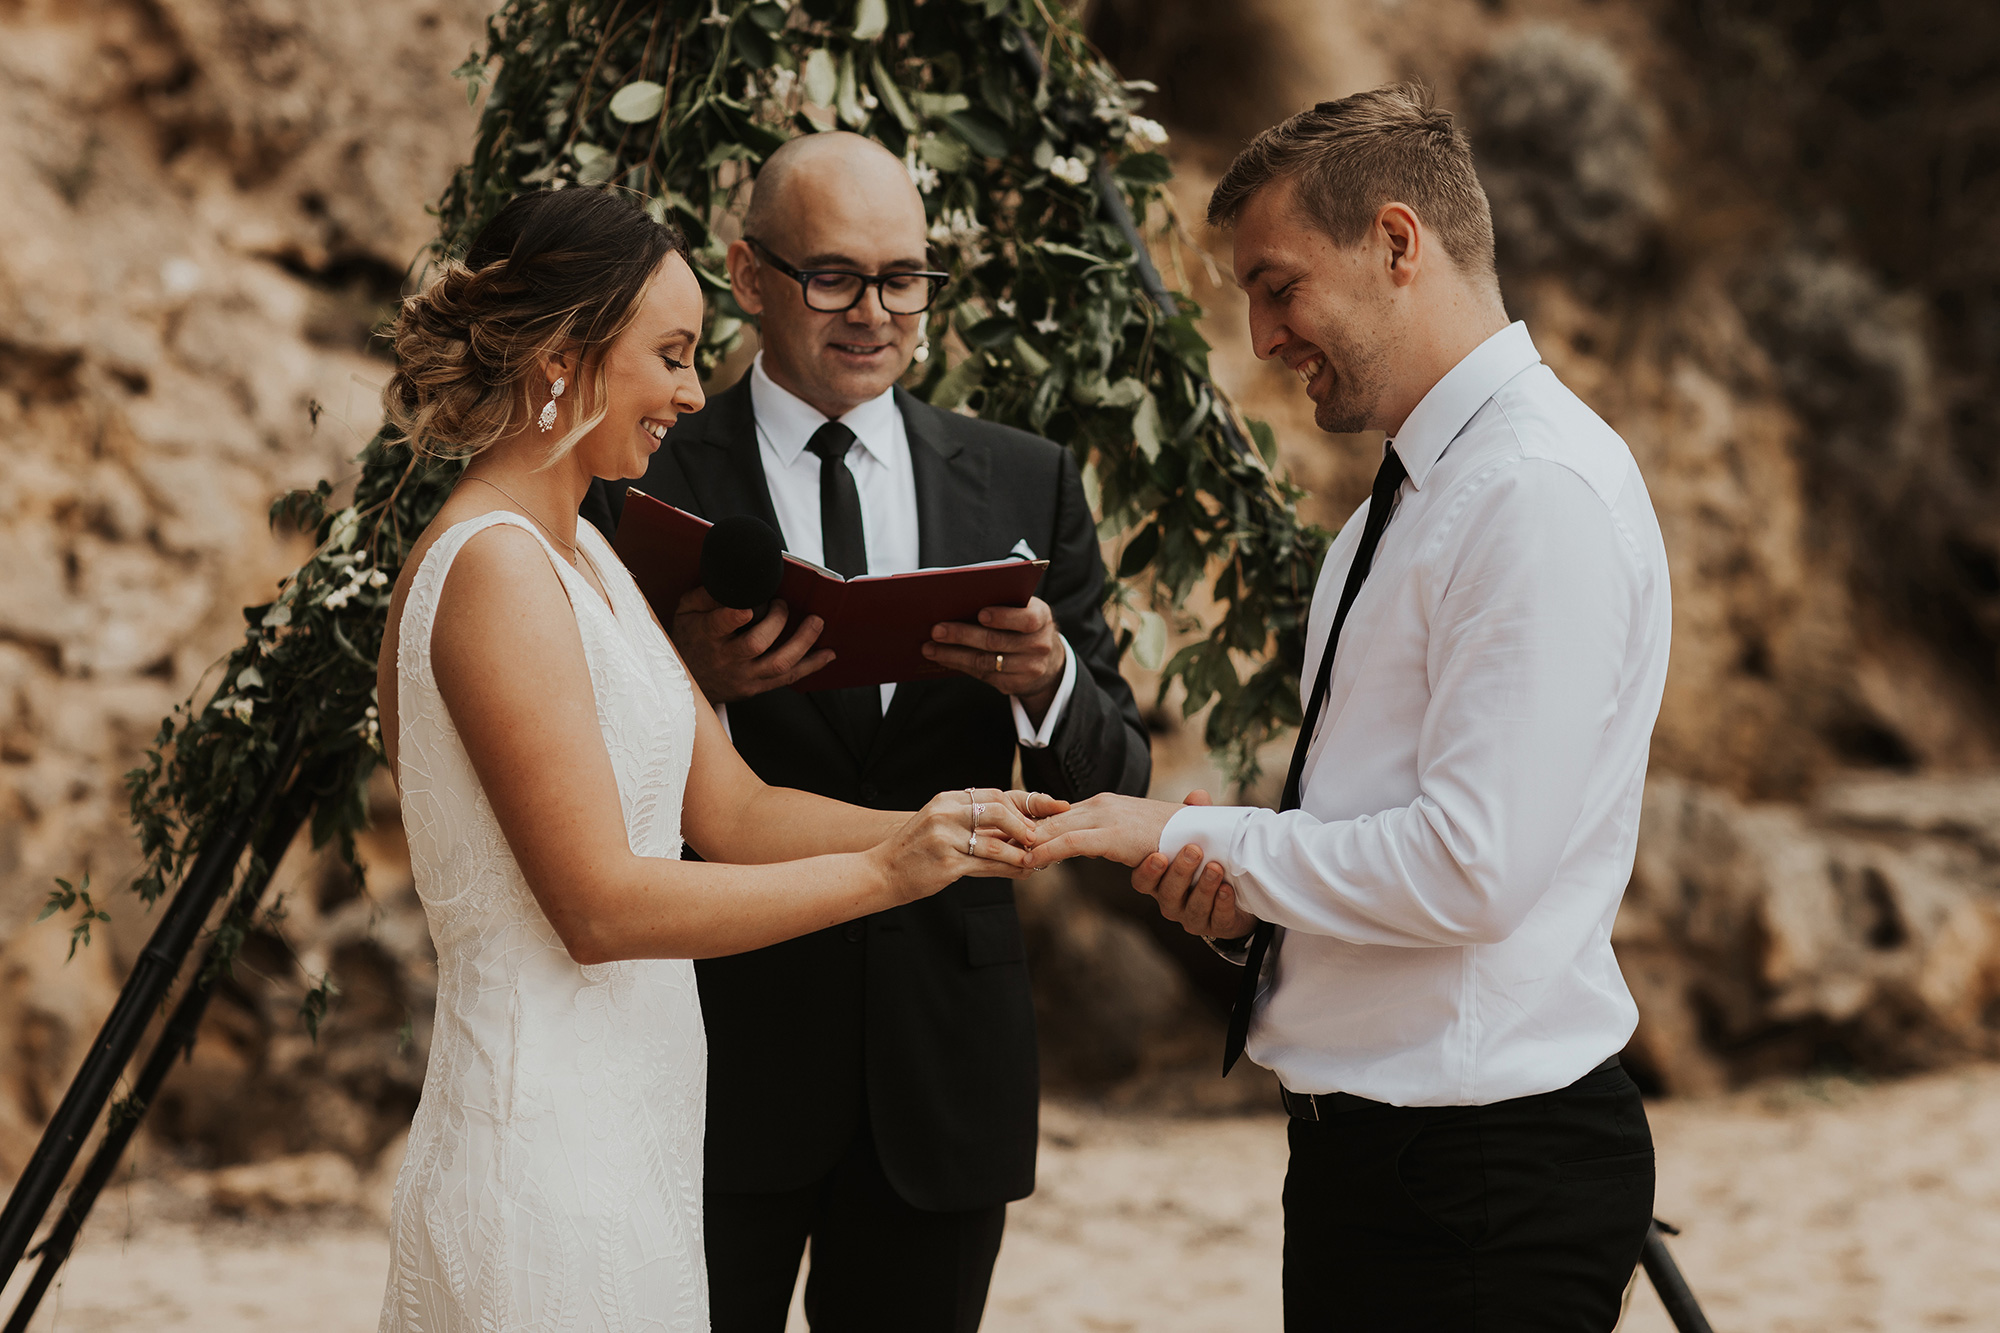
1025	551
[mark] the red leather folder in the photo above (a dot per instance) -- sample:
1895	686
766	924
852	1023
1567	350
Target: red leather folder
876	624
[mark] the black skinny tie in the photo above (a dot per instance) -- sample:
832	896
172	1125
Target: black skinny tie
845	552
1381	501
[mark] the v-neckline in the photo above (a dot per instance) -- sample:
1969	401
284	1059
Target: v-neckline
603	598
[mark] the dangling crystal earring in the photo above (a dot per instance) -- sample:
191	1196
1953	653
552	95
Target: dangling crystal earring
547	420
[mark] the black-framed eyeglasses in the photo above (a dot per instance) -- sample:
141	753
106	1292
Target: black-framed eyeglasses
833	290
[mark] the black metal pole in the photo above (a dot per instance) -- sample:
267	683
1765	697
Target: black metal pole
1668	1282
152	977
176	1038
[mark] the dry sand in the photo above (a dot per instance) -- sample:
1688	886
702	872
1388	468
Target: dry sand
1806	1206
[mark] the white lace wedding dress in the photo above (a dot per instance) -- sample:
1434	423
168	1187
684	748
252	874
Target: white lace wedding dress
553	1179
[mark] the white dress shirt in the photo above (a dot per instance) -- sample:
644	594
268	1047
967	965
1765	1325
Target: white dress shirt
1471	801
880	461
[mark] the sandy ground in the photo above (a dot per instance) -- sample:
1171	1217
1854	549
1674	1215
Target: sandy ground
1805	1206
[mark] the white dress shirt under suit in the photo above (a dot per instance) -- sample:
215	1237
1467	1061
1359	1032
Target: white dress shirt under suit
1470	805
879	458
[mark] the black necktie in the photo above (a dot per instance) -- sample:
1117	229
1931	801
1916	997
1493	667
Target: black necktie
1381	501
845	552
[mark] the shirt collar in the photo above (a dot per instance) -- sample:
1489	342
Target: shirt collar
1456	398
788	421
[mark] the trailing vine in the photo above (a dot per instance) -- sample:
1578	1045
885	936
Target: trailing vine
1004	117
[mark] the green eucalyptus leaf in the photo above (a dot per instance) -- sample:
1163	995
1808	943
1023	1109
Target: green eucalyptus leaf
1149	646
637	102
1146	428
847	99
1145	169
1030	358
957	384
1267	442
871	19
992	334
1139	552
982	131
821	77
753	45
939	105
891	95
947	155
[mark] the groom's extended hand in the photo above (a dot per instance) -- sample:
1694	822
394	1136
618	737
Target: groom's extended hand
1193	895
1125	829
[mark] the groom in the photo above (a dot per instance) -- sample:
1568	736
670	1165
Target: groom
873	1087
1425	922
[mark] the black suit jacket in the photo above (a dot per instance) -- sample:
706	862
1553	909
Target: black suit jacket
918	1018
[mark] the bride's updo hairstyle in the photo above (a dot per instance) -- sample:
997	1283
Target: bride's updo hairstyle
555	271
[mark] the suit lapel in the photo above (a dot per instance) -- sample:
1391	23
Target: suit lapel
722	463
952	480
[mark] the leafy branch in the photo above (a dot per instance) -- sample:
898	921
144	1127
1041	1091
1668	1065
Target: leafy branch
1044	326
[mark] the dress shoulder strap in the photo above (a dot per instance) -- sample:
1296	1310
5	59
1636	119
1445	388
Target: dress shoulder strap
413	637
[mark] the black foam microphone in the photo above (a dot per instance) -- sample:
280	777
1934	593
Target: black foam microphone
742	560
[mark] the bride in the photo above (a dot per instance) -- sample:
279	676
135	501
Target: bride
552	754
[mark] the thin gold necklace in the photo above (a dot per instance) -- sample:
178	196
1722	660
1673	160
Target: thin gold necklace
575	556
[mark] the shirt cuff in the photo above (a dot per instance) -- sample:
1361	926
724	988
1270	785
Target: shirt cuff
1209	827
1035	738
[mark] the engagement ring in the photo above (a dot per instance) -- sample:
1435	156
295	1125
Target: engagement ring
999	664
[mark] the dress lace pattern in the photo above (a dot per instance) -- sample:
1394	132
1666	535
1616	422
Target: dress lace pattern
553	1180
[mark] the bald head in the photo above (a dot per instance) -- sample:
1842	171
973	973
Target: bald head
831	169
830	201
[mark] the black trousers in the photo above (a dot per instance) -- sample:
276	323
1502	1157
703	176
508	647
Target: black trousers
1523	1215
879	1264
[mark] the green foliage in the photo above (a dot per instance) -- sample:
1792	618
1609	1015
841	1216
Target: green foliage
1044	327
65	896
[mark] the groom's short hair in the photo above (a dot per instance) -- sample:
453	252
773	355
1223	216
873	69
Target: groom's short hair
1350	157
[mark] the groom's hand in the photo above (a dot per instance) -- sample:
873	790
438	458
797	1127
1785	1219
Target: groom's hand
1118	828
1190	894
732	659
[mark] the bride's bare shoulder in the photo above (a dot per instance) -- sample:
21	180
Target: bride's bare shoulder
499	578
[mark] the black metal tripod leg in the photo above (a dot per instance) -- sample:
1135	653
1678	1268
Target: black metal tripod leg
1673	1290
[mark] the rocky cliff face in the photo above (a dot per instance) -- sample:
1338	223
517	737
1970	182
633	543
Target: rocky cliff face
208	204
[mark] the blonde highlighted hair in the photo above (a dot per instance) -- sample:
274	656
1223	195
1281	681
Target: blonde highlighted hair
560	271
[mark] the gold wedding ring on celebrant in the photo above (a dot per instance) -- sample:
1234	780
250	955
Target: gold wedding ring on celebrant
999	664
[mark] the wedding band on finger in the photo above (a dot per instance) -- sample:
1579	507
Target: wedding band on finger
972	845
999	664
978	813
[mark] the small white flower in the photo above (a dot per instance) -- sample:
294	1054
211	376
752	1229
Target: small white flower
338	598
1070	169
868	100
1004	306
923	175
377	578
782	83
1048	323
1145	131
1109	110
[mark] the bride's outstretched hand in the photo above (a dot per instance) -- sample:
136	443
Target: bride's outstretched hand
978	831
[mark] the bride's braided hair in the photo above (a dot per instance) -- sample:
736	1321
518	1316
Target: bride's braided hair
560	270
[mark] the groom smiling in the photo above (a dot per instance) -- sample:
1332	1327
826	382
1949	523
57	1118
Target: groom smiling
1425	922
